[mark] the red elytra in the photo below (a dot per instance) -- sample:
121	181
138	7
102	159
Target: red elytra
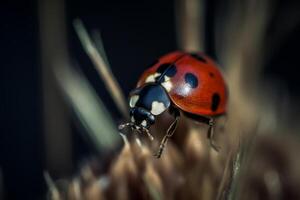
208	97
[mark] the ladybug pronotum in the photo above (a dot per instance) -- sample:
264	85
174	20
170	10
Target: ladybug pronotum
182	83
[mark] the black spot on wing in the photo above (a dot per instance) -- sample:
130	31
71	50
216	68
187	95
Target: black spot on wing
215	101
171	71
162	68
167	69
211	74
198	57
191	80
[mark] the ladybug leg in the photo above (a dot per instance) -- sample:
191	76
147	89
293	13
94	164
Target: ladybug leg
148	134
169	134
122	126
131	126
210	134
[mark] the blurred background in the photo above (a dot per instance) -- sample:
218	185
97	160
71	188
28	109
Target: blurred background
134	33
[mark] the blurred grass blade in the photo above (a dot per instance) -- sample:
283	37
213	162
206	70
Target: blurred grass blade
240	36
89	108
228	176
102	67
96	35
154	192
233	187
54	192
189	16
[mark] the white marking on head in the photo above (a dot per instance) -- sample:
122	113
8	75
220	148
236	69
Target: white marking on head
151	78
133	100
167	85
132	119
167	78
144	123
157	108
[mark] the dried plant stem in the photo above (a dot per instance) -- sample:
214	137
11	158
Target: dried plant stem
54	192
56	122
89	109
227	177
102	67
190	24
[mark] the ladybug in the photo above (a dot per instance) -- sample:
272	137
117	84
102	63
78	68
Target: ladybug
183	83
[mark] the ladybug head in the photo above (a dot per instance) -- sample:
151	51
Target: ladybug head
141	117
146	103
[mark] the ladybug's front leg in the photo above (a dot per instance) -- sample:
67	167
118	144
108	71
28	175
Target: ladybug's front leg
169	134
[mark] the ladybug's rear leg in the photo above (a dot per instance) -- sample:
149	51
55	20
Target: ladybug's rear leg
169	134
210	134
211	125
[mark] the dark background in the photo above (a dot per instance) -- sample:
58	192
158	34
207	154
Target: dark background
134	33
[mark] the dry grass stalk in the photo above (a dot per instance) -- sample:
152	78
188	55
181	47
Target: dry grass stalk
271	169
193	172
190	25
102	67
89	109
